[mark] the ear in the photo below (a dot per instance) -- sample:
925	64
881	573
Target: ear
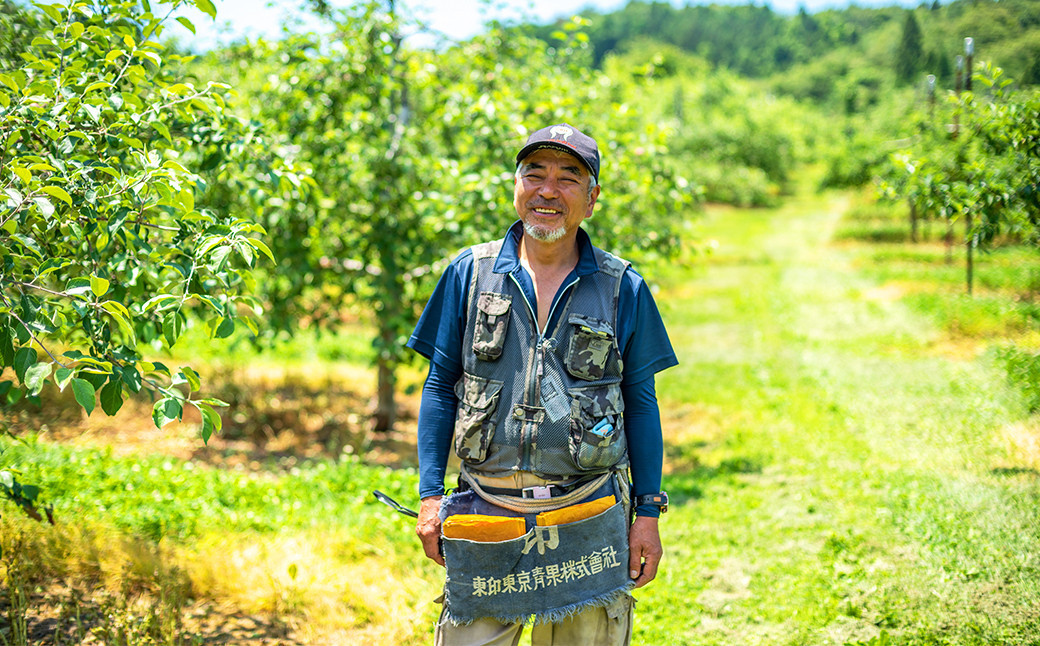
592	201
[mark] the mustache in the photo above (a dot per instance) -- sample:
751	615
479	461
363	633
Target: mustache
539	204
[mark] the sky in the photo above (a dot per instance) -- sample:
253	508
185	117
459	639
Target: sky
458	19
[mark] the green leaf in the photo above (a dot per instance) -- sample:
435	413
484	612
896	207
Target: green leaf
58	192
206	7
24	358
132	378
51	10
158	302
36	377
166	410
173	326
28	242
161	128
84	393
98	285
187	24
62	376
211	422
9	81
112	397
122	317
97	85
226	327
6	344
22	173
191	378
30	492
212	401
44	205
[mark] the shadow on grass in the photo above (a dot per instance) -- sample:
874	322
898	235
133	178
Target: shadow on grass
1015	471
688	483
66	615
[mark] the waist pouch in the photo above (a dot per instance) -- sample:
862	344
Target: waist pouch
548	574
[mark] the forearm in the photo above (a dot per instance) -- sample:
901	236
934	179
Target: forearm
645	442
436	427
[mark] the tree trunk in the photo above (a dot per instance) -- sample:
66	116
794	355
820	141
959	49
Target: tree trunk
970	249
913	222
385	414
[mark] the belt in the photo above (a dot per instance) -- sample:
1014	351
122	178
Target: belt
543	492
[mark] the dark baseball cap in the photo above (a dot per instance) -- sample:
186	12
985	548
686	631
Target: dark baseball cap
568	139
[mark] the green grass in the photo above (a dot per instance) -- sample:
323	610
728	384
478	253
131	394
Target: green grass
847	479
157	497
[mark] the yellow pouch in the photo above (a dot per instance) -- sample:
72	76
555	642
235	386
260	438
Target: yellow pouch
574	513
485	529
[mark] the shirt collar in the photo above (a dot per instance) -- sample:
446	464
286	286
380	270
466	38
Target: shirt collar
509	257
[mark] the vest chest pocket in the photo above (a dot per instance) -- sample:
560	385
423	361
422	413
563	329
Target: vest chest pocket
475	419
590	347
489	335
597	427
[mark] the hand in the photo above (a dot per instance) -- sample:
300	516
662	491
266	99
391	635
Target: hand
644	550
428	527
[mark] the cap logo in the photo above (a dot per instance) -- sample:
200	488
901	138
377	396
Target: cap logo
561	132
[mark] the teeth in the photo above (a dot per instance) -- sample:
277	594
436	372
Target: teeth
548	211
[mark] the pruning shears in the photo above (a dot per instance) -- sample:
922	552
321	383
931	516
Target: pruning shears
393	504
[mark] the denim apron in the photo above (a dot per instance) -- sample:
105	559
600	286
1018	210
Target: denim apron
548	574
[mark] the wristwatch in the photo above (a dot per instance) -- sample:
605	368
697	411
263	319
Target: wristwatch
656	499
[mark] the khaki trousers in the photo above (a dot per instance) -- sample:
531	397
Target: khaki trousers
610	626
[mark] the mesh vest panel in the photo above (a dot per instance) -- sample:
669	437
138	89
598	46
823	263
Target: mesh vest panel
531	402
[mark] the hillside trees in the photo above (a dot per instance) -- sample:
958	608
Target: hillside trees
412	152
104	250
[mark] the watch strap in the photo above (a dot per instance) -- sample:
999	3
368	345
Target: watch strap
656	499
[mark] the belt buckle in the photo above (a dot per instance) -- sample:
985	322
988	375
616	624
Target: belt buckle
537	492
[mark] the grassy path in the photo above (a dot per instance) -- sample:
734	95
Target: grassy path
839	479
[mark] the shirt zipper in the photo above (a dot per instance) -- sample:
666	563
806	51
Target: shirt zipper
534	384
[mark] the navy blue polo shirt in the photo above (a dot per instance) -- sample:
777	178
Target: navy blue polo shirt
642	341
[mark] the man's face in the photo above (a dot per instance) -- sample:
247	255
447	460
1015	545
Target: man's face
552	195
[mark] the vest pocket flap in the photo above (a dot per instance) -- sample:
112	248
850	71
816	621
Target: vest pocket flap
490	325
493	304
591	347
591	326
477	392
590	405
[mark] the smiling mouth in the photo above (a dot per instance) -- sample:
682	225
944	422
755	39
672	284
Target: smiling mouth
545	211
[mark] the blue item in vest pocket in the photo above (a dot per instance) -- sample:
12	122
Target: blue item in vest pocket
603	428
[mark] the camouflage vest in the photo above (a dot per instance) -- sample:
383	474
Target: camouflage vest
550	405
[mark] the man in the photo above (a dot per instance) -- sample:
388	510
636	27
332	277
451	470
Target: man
542	352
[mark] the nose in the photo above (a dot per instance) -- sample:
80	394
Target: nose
549	188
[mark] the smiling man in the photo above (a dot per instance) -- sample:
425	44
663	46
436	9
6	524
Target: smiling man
543	351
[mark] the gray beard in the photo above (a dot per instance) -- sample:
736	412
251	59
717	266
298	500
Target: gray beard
544	234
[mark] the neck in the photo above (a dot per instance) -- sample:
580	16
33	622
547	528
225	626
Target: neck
549	256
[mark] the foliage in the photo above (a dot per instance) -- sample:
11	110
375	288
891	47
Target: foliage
984	172
754	41
742	147
104	250
909	55
1023	373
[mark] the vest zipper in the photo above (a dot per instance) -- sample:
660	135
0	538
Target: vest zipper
534	385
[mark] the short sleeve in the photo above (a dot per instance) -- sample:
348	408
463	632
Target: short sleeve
439	332
643	340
